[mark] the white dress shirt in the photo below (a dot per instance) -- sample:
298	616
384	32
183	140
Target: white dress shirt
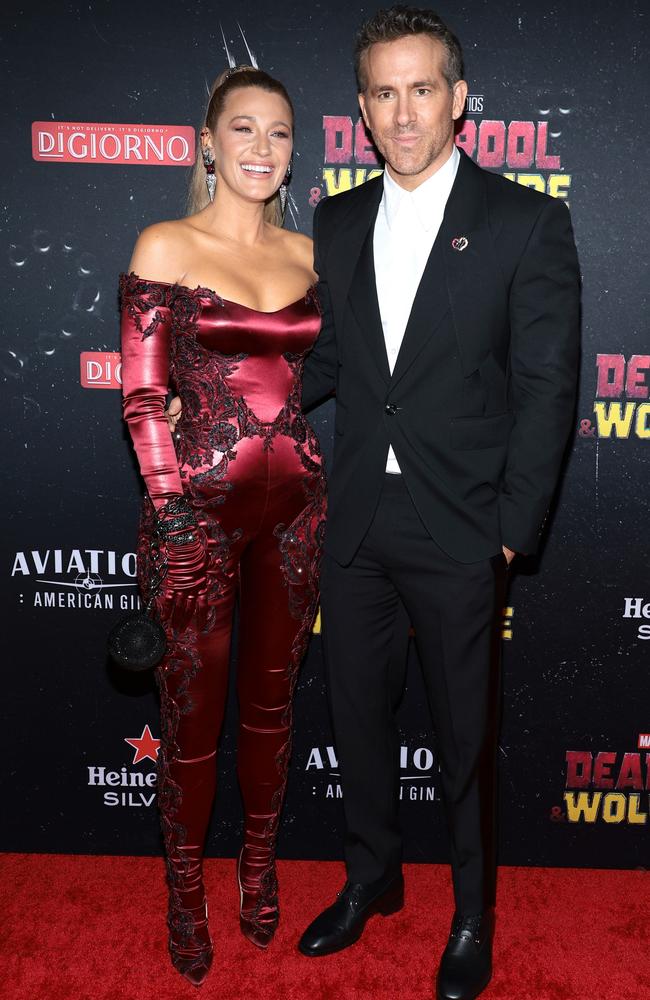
405	230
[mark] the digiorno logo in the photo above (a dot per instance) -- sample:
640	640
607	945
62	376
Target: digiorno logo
109	142
128	787
100	369
621	407
608	786
76	579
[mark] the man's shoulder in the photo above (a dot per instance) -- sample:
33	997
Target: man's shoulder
513	201
338	205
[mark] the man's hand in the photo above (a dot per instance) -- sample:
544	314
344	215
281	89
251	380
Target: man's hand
508	553
174	413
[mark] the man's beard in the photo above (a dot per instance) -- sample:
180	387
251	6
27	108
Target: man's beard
411	162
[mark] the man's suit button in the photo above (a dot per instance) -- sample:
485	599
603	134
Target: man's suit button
390	409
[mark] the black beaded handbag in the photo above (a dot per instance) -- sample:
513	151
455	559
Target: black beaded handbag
138	642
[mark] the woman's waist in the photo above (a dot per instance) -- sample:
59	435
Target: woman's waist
256	462
241	413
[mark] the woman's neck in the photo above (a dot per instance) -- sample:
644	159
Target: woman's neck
232	218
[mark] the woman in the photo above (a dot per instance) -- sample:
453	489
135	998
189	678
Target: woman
221	305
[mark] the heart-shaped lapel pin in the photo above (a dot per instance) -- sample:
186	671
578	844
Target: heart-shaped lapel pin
459	243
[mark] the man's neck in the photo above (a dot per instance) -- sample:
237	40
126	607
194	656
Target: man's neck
410	182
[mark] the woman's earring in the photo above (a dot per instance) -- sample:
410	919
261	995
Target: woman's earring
283	189
208	163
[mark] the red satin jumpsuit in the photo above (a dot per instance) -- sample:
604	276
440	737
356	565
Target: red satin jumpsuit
250	465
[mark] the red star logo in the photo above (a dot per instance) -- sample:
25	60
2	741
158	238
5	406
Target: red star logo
144	746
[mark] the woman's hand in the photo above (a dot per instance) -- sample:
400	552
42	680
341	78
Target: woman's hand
184	550
173	413
184	589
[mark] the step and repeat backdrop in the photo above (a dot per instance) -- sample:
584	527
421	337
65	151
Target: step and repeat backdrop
100	110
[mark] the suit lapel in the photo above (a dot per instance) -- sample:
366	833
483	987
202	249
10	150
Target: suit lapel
352	229
365	305
352	274
468	272
447	277
430	306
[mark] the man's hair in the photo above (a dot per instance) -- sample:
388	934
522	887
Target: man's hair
391	23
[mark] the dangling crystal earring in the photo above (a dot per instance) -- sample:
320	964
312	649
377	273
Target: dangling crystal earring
208	163
283	190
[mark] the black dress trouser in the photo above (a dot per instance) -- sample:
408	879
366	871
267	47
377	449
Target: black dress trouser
455	609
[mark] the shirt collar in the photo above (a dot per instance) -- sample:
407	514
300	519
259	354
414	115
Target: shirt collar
427	199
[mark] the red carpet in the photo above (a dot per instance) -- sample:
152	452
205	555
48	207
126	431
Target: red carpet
88	928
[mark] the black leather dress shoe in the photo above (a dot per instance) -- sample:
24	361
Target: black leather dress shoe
341	924
466	965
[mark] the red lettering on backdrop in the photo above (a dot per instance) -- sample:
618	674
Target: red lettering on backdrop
491	143
521	145
606	363
603	769
579	764
516	145
630	775
544	159
364	151
635	385
335	126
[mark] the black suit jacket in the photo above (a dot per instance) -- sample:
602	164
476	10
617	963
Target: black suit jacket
481	399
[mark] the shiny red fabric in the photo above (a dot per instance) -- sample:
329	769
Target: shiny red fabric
250	465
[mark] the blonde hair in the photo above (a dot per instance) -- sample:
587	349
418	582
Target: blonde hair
232	79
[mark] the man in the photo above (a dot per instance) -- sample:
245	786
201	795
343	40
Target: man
450	337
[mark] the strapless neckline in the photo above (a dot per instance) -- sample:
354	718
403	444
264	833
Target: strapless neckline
204	290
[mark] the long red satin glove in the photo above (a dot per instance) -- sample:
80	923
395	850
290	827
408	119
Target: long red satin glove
183	593
146	337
